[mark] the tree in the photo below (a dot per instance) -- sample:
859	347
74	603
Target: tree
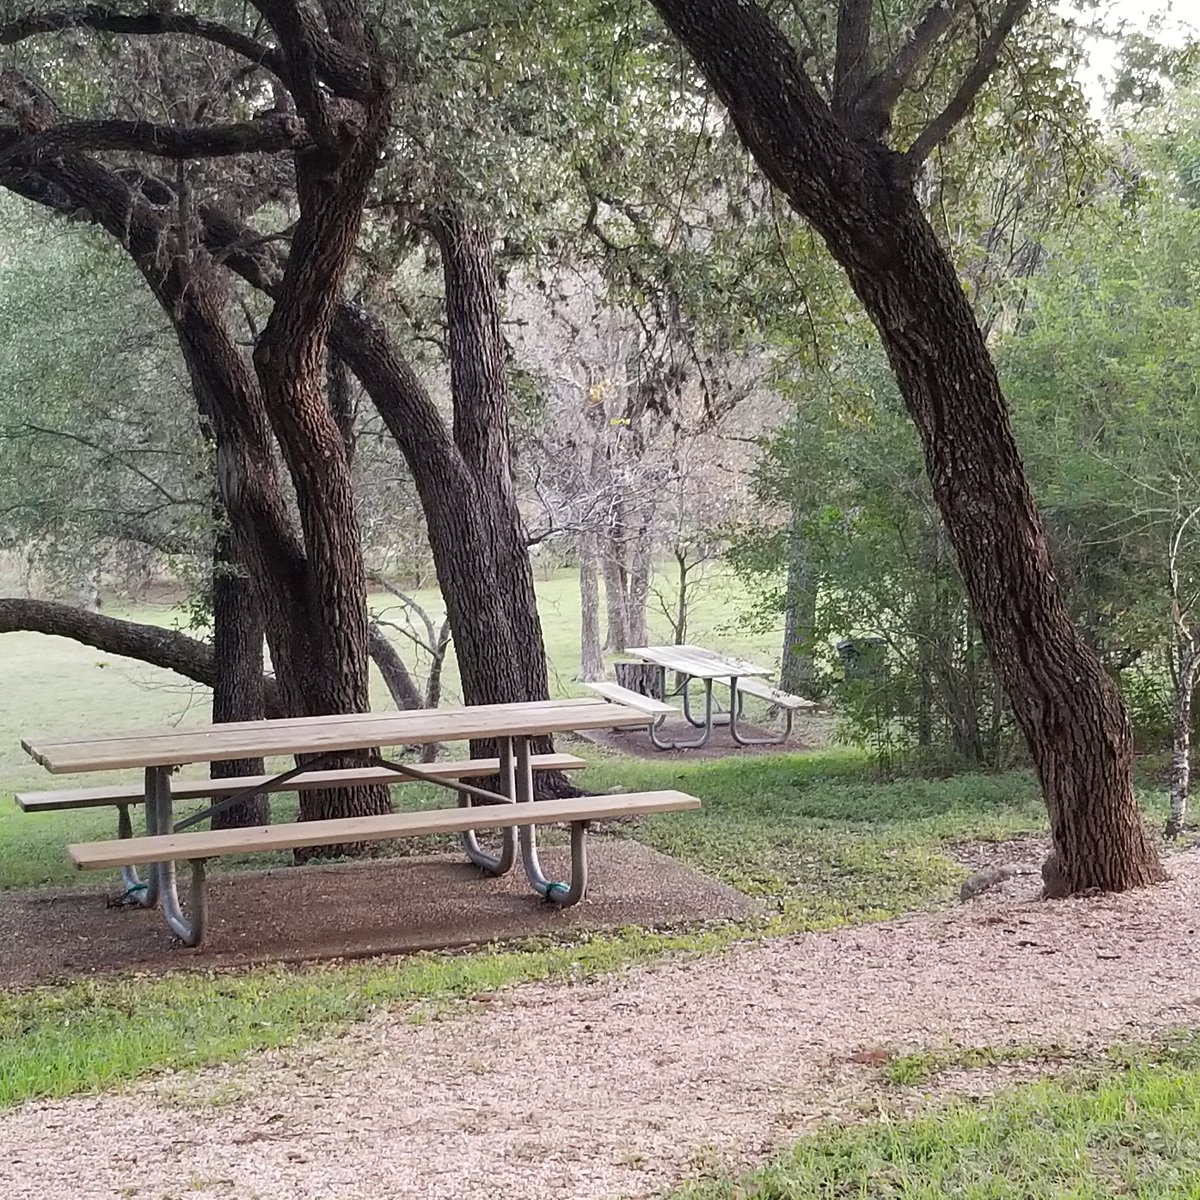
311	590
831	158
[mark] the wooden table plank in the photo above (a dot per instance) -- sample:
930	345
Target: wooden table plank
696	661
45	742
313	736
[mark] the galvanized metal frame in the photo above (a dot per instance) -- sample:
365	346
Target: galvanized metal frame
160	888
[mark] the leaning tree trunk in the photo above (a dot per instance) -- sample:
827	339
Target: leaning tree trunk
1181	741
1068	707
238	688
289	360
479	387
855	193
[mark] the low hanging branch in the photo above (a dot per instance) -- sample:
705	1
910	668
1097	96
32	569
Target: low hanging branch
166	648
265	135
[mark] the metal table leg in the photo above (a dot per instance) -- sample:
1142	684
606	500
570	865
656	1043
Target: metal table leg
707	728
160	819
686	694
495	864
735	715
562	894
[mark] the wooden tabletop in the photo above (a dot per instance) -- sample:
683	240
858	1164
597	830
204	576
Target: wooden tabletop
171	747
696	661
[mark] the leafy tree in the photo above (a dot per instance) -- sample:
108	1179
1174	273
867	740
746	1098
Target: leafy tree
848	160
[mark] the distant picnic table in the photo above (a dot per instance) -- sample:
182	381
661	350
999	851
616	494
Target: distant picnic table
159	752
709	667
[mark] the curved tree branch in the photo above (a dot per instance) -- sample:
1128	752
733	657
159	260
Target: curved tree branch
265	135
885	87
973	82
166	648
155	22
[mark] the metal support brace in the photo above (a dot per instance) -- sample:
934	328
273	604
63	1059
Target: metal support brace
561	894
736	714
132	881
190	929
685	693
483	859
706	729
161	887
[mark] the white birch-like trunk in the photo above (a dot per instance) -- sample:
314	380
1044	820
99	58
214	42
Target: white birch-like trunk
1181	742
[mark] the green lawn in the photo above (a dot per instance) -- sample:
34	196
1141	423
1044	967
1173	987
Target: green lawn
1129	1128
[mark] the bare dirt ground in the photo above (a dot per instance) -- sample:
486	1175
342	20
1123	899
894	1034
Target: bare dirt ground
351	910
623	1088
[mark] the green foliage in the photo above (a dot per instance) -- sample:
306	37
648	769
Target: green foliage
99	444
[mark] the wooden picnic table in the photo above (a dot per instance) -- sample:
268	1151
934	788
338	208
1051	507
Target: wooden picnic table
695	662
159	752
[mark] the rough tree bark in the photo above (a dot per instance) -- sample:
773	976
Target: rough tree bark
341	93
858	195
496	664
238	684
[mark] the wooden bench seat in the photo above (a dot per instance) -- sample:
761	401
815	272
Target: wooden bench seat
93	856
616	694
764	691
195	789
160	853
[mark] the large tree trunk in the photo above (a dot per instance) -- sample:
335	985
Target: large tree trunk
854	193
616	639
637	598
496	664
238	687
289	359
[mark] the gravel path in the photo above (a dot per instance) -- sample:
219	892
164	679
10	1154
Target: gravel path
622	1088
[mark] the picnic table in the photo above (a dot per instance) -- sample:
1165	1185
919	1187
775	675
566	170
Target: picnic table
159	752
694	662
707	666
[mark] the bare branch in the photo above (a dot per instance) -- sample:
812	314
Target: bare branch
961	102
267	135
885	87
850	62
152	23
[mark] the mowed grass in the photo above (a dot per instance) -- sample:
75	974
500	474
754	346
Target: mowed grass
1126	1129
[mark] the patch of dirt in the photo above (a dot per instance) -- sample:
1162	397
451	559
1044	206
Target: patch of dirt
978	856
352	910
620	1088
810	732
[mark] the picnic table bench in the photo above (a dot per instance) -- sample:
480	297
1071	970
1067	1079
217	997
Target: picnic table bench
694	662
512	810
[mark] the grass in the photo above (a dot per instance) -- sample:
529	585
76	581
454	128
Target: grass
99	1033
1128	1128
